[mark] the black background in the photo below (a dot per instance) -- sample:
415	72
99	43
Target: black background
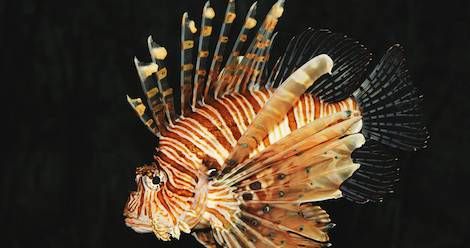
72	142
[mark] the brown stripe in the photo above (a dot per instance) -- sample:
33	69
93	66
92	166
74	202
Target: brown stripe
304	109
246	106
162	200
180	154
252	101
188	144
149	202
173	172
166	204
237	105
218	216
213	114
337	106
226	115
317	104
213	129
142	200
291	120
180	192
266	141
175	165
199	137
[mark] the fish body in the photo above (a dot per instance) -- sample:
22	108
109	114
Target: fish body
254	151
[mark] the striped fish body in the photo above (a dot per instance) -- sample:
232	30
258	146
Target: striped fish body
212	130
203	140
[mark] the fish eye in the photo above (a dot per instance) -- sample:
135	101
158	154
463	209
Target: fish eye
156	180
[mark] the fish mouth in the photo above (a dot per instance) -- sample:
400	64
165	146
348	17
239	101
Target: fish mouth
138	225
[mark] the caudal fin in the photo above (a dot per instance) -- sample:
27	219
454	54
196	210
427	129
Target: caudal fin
392	118
391	105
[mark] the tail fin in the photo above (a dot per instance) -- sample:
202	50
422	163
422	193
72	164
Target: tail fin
391	105
392	118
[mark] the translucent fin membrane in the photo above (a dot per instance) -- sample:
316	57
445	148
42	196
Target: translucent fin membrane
158	55
351	61
242	71
200	74
220	49
259	65
140	110
188	29
392	105
375	178
225	77
202	81
147	74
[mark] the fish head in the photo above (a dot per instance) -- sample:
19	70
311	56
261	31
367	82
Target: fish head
143	211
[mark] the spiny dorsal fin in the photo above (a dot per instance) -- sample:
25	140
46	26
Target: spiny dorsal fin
188	29
158	55
241	77
147	74
225	76
200	74
140	110
278	106
258	67
246	70
220	49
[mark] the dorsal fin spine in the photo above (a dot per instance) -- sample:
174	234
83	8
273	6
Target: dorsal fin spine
220	49
240	80
259	81
146	72
203	53
140	110
158	55
187	43
225	76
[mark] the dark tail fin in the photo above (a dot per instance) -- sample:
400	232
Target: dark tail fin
392	118
391	105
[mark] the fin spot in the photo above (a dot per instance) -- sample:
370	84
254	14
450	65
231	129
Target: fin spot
266	209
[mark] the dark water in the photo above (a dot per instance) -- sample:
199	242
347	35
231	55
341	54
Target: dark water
72	142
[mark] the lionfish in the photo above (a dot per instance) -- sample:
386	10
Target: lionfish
252	152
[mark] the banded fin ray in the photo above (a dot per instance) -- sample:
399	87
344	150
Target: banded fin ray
218	57
200	73
242	72
188	29
158	55
148	78
227	74
140	110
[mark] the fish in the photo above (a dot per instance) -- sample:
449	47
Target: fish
251	148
